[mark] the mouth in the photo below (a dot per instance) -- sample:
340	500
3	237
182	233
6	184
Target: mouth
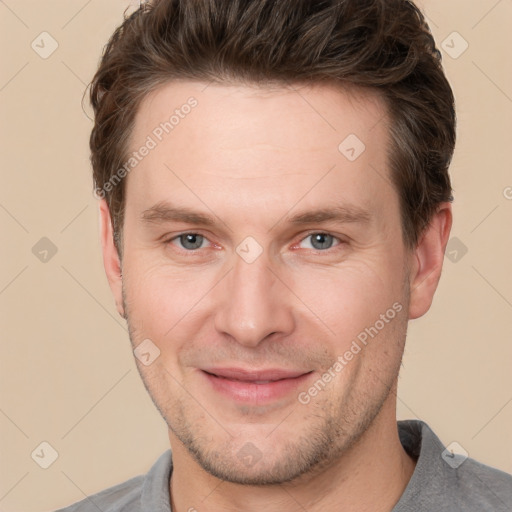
256	386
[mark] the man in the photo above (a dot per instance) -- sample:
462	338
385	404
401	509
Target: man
275	204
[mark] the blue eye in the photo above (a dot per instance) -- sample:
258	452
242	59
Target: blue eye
190	241
321	241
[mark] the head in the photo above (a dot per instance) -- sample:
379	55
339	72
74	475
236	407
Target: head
274	193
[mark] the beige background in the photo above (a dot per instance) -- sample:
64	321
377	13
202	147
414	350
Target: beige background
67	372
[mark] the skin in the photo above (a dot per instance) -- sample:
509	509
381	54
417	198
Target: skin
251	158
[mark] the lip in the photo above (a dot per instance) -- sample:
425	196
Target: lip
255	375
254	386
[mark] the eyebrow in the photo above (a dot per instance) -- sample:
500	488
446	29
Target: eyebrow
339	213
165	212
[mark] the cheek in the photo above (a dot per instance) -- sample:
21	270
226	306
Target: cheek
164	303
365	318
348	298
148	299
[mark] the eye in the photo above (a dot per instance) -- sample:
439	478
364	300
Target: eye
189	241
321	241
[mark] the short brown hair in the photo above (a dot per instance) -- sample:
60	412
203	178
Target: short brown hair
382	44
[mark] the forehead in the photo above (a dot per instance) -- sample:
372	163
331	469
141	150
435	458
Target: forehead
318	114
244	146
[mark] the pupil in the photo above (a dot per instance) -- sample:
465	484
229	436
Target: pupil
322	240
191	241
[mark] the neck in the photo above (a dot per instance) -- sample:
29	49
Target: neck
370	476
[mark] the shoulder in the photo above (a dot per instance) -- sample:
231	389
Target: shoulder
123	496
137	494
480	486
446	481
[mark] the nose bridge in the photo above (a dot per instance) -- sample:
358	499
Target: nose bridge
253	302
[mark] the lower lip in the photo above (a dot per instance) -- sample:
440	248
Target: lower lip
251	392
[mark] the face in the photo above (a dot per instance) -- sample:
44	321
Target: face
264	261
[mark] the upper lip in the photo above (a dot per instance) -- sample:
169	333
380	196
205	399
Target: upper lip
255	375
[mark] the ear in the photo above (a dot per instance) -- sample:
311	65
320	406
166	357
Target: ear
427	261
111	260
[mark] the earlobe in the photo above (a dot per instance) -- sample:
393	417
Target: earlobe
111	260
428	257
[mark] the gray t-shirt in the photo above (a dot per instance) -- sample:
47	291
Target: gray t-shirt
441	482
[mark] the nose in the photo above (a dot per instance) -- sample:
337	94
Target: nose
253	302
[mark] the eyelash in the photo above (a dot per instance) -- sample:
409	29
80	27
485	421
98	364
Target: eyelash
317	251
